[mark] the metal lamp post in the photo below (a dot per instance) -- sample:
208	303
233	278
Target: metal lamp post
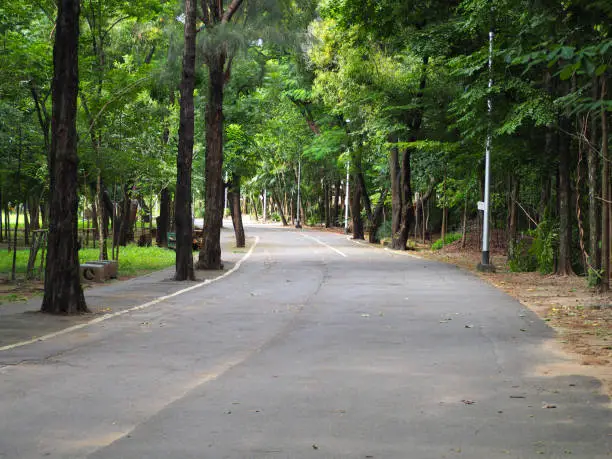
485	264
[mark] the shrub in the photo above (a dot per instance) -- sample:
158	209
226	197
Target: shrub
448	239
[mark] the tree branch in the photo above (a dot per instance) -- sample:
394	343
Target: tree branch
231	10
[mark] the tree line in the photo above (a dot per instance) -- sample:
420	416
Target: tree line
173	103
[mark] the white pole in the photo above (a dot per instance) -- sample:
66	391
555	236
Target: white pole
265	205
346	199
298	224
485	226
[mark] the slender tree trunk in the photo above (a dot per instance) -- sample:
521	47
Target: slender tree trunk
162	220
564	264
513	214
102	226
234	198
335	218
356	209
1	215
594	205
407	212
183	199
210	255
280	209
605	196
396	198
326	204
13	278
63	292
26	223
464	225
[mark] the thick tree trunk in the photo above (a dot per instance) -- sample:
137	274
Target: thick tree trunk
594	205
210	255
564	263
396	198
33	208
26	223
234	198
407	215
164	216
63	292
182	201
356	209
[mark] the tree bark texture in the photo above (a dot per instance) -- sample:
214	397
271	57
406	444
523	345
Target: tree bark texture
396	197
594	205
358	232
407	215
164	217
605	197
210	255
63	291
182	202
234	199
564	263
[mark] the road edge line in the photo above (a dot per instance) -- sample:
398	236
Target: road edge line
133	308
312	238
386	249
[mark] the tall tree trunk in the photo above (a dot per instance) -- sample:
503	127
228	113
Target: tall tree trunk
26	223
33	208
335	218
162	220
605	196
63	292
513	214
1	215
182	200
234	198
279	205
396	197
564	263
356	209
407	215
594	206
326	203
102	225
210	255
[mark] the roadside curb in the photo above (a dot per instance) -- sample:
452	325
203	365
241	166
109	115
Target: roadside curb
134	308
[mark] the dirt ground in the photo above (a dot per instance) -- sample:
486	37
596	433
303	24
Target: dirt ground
581	316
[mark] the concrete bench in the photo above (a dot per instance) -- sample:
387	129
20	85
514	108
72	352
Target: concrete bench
111	268
92	272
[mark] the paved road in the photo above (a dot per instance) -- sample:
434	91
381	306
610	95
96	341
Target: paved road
316	348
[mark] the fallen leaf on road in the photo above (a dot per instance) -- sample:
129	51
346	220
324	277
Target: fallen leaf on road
469	326
468	402
365	315
547	405
315	446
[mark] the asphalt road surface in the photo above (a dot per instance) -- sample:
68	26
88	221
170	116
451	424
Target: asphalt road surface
315	348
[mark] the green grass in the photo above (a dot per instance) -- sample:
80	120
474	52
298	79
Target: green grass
133	260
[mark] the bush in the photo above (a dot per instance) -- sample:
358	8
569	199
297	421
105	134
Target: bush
275	217
448	239
384	230
544	246
521	257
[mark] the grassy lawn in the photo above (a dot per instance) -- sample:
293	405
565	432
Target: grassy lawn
133	260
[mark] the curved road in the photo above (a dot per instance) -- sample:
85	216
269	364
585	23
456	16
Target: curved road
315	348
